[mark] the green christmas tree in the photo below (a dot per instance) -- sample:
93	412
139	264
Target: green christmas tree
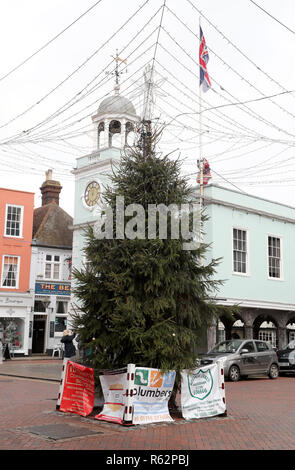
144	301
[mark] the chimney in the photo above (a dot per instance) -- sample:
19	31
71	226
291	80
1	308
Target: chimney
50	189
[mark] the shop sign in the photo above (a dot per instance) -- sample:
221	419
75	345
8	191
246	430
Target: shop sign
78	389
52	288
51	329
11	301
152	390
150	396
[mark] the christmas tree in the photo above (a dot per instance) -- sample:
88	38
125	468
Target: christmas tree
144	301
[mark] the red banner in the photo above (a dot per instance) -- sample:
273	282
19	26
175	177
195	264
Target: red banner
78	389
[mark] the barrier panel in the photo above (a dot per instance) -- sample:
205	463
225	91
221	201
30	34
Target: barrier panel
140	395
76	394
203	392
152	390
114	386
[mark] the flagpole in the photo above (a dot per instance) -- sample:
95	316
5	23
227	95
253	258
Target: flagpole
201	160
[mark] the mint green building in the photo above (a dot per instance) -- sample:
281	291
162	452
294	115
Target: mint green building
255	238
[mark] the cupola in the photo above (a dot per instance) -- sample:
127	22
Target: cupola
114	123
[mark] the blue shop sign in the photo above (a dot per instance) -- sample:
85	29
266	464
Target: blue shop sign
52	288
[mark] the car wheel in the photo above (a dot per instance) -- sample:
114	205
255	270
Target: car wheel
234	374
273	371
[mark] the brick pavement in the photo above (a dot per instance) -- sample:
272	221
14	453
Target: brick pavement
261	416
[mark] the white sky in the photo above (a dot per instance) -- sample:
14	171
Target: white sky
249	148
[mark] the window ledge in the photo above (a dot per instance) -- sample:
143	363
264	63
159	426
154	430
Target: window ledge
240	274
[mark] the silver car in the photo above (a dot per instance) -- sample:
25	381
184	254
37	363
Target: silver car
243	357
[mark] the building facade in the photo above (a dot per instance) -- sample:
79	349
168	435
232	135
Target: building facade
50	269
16	300
254	237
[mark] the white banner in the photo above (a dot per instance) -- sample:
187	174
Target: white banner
152	390
202	392
114	388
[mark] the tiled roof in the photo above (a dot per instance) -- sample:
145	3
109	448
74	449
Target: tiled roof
51	226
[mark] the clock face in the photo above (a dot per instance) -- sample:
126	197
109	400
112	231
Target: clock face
92	194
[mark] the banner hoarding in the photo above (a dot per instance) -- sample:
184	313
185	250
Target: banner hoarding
202	394
78	389
152	390
113	387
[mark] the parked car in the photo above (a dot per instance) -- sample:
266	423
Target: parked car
243	358
287	358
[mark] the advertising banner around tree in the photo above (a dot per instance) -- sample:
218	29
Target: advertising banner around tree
152	390
202	392
78	389
113	387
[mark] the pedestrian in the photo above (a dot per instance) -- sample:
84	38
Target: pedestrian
67	339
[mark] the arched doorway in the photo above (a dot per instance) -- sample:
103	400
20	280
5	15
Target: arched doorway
265	328
290	329
230	328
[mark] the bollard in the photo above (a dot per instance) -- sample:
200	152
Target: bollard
221	384
128	410
61	383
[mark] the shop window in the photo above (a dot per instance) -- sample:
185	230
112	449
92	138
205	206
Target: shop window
13	222
60	324
10	271
52	267
12	331
269	336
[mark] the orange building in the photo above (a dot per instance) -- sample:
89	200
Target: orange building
16	300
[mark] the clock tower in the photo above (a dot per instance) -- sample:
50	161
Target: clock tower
113	128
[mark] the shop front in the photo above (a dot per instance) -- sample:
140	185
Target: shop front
16	322
51	305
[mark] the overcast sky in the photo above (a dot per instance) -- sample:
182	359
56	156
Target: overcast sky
47	103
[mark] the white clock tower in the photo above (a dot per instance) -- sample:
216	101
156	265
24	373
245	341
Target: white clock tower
113	128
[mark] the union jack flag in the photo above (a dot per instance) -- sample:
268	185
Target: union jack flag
203	60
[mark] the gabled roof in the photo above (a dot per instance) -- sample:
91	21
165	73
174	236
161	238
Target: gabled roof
51	226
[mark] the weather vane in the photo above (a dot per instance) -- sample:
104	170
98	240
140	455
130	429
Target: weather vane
117	72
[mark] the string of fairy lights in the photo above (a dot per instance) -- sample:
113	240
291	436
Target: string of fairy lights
248	119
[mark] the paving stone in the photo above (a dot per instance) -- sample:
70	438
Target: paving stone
58	431
260	416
